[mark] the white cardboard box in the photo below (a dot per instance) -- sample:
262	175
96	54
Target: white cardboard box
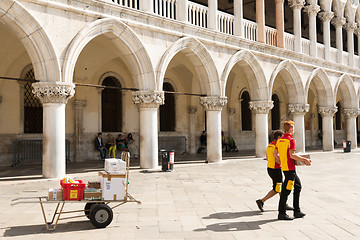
112	185
115	165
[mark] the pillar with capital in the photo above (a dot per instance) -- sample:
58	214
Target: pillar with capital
148	101
296	6
53	96
213	106
192	141
78	106
350	28
351	135
338	22
261	109
298	112
327	114
325	17
312	10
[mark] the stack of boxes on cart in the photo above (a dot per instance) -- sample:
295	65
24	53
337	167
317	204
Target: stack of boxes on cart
111	185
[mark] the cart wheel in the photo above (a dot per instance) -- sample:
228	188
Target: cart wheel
87	209
101	215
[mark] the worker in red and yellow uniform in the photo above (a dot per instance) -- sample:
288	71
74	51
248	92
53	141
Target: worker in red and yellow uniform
274	171
285	153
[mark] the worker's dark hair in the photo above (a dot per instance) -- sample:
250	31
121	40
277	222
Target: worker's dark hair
277	134
99	133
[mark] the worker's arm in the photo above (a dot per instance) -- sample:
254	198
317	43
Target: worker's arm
294	156
276	156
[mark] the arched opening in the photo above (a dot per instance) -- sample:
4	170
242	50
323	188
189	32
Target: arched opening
246	120
111	106
338	116
167	111
275	113
33	111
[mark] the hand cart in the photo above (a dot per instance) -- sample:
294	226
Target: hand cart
98	212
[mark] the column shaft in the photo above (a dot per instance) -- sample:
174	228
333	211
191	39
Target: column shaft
351	131
280	23
192	121
260	20
238	14
350	46
261	134
212	16
146	5
214	149
327	133
299	134
297	29
182	10
148	138
325	18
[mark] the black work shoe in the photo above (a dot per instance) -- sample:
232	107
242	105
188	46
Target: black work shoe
299	214
260	204
287	207
284	216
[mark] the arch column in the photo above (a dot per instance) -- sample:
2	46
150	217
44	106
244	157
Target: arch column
78	106
261	109
54	96
351	135
327	114
325	17
192	121
296	6
350	28
213	106
298	112
338	22
148	102
312	10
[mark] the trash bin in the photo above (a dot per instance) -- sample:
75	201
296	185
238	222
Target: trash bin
347	146
167	160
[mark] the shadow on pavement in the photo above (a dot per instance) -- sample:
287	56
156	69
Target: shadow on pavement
232	215
235	226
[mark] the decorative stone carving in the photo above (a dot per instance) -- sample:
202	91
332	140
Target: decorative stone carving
357	31
312	9
296	3
79	104
350	26
351	112
213	103
192	109
261	107
231	111
148	99
327	111
53	92
338	21
326	16
298	108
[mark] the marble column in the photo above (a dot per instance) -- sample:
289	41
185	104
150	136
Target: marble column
312	10
357	32
350	28
212	14
231	112
260	20
181	10
325	17
53	96
351	135
338	22
327	114
238	15
213	106
78	106
149	102
146	5
297	111
192	122
296	6
261	109
279	9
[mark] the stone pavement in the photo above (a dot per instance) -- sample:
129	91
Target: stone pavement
202	201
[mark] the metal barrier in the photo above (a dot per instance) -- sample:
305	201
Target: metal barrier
30	152
176	143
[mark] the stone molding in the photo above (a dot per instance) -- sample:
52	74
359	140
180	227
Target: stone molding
192	109
148	99
296	4
351	112
261	107
350	26
338	21
213	103
298	108
327	111
312	9
326	16
53	92
79	104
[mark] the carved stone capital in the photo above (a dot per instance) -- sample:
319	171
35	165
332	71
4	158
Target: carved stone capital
261	107
312	9
357	32
327	111
296	109
79	104
213	103
350	26
326	16
148	99
351	112
231	111
338	21
296	4
53	92
192	109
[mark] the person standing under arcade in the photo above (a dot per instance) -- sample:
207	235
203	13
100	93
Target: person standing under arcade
285	153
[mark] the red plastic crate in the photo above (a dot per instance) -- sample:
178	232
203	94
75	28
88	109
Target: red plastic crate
73	191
